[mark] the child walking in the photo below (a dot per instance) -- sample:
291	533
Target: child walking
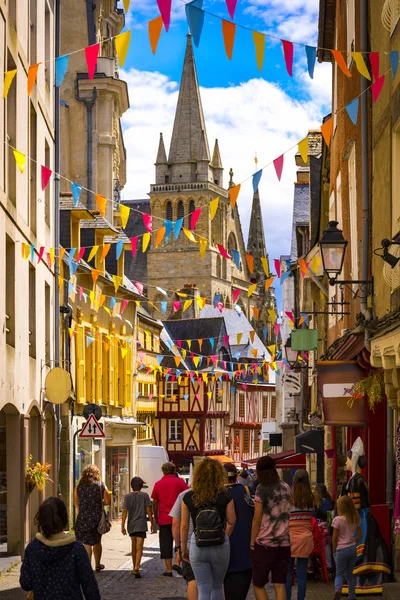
346	534
137	506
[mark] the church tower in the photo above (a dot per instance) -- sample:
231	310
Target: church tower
185	181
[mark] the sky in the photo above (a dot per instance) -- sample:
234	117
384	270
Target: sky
250	112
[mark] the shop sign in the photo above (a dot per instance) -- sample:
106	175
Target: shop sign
335	380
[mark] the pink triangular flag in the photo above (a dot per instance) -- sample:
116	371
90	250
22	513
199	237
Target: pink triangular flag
148	222
176	305
92	53
376	87
124	305
290	315
80	254
278	164
374	61
277	264
288	52
231	6
164	6
223	251
194	217
226	340
46	173
40	255
235	295
277	329
80	293
134	241
139	286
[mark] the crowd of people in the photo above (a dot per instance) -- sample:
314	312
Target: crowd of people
227	531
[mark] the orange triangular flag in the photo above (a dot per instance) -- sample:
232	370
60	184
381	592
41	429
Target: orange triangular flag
338	56
95	275
252	333
177	360
102	299
71	333
326	130
250	262
259	43
268	283
106	249
160	235
228	31
101	202
256	312
62	252
254	352
32	74
155	28
233	194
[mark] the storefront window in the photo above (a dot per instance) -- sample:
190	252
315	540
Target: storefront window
117	479
84	456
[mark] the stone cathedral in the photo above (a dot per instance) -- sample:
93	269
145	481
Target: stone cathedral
187	178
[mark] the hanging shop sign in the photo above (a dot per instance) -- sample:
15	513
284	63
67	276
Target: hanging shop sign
58	385
335	380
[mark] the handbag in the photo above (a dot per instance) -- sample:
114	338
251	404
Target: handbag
104	525
29	596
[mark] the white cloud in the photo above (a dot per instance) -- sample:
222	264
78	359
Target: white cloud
255	116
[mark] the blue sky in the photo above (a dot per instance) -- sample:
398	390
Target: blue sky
248	111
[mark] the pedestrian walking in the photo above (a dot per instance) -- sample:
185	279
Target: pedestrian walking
301	533
90	497
165	492
344	541
55	565
270	540
244	477
187	571
238	578
211	507
323	512
137	507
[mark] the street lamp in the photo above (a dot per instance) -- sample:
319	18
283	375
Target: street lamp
291	355
389	258
333	248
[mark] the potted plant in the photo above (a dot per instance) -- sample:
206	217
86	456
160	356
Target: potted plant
37	475
373	387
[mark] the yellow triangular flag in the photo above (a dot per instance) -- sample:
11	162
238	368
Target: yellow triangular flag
238	338
202	247
252	334
360	64
184	352
251	290
126	5
71	333
316	261
52	252
189	235
272	315
196	360
25	250
200	302
117	282
145	241
265	265
254	352
122	42
93	253
8	79
101	202
91	296
303	149
271	349
181	294
268	283
159	237
187	304
189	342
60	282
107	310
124	352
259	43
106	249
233	195
20	159
205	378
124	211
213	207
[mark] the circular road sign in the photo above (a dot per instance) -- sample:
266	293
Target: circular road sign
92	409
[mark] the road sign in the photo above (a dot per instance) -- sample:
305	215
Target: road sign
92	429
92	409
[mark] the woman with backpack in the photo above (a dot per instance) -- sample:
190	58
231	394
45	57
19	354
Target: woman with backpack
210	506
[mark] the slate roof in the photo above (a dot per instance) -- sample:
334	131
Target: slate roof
301	214
136	267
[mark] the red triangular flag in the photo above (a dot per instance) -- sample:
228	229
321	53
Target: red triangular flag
92	53
231	5
80	254
194	217
278	164
374	61
288	53
376	88
148	222
45	176
40	255
134	242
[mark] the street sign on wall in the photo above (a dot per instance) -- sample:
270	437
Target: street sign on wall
92	429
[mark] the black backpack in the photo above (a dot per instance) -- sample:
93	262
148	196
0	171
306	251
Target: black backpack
209	529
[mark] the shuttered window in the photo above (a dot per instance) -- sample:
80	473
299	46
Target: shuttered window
246	440
241	405
273	407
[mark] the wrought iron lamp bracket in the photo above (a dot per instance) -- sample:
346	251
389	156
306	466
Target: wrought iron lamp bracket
362	286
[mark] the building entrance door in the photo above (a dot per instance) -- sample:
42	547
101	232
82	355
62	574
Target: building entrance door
117	481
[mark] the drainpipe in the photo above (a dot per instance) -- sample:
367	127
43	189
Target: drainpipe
89	103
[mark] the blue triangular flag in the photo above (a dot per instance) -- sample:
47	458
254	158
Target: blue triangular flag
163	307
76	192
305	317
137	394
89	340
217	298
178	372
160	358
185	396
73	267
32	247
394	61
311	53
256	180
84	297
61	68
167	377
70	288
168	229
287	264
265	331
113	302
352	110
284	276
118	249
71	255
233	389
178	227
195	19
279	355
236	258
212	342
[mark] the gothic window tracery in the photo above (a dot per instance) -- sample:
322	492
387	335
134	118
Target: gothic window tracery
168	211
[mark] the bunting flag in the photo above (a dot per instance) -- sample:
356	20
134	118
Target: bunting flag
223	252
256	180
285	275
352	110
124	304
164	6
8	79
290	315
236	258
139	286
187	304
168	229
194	217
268	283
360	64
374	62
93	253
288	54
189	235
106	249
122	41
228	31
20	159
71	333
95	275
235	295
213	206
252	335
202	247
25	251
394	62
101	202
376	88
272	349
32	74
178	227
277	265
45	176
154	30
163	307
61	66
52	253
124	352
145	241
196	359
76	192
272	315
251	290
316	261
304	316
32	247
91	54
250	263
195	19
254	352
259	44
124	212
40	255
176	305
277	329
278	164
126	5
265	265
238	338
326	130
233	194
311	53
256	312
148	222
134	241
118	249
80	254
303	149
341	63
159	237
117	282
303	266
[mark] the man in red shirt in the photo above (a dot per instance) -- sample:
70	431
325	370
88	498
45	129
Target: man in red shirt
165	492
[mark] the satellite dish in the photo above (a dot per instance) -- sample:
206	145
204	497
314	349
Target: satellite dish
392	276
58	385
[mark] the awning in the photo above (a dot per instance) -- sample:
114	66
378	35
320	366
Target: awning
222	458
284	460
310	441
122	422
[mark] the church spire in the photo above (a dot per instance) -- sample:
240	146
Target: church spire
256	242
216	159
161	154
189	138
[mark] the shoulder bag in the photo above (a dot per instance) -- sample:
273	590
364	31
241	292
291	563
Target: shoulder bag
104	525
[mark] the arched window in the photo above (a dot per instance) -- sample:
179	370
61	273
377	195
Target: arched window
232	243
192	208
224	268
168	212
181	210
219	266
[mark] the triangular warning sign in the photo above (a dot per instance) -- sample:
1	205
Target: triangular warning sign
92	429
